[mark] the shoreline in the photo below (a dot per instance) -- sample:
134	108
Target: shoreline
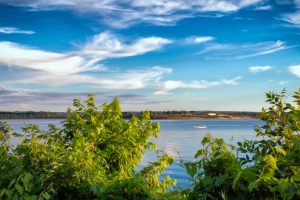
167	118
202	118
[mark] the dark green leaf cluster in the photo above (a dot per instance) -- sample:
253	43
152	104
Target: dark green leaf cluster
265	168
94	155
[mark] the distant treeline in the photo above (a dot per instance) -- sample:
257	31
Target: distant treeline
33	115
203	114
154	115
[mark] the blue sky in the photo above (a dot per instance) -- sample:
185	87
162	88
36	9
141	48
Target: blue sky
153	54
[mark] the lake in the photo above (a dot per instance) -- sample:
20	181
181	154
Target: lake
178	138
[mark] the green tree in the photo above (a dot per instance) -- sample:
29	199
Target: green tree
94	155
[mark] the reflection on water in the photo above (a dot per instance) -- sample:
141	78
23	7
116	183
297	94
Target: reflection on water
178	138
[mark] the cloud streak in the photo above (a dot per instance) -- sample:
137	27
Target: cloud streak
198	39
132	79
16	55
13	30
130	12
292	18
25	100
98	48
107	45
168	86
241	51
256	69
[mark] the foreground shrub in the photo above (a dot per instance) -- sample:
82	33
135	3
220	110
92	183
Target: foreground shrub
265	168
94	155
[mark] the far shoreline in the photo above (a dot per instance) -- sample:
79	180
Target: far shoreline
159	115
170	118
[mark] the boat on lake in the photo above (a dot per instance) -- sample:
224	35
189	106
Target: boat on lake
199	126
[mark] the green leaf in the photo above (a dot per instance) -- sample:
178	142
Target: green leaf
234	182
270	161
2	192
11	183
252	185
206	139
46	195
249	174
200	152
280	151
19	189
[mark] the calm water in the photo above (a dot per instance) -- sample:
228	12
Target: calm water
178	138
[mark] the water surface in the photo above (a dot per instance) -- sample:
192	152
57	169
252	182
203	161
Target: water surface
178	138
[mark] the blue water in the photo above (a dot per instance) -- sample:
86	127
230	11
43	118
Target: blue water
178	138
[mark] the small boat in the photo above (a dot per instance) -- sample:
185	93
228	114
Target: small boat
199	126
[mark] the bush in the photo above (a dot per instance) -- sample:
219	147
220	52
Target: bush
95	154
266	168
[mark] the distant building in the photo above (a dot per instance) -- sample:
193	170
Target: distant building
212	114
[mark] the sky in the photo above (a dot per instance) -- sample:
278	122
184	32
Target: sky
152	54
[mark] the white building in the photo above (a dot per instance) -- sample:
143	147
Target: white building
212	114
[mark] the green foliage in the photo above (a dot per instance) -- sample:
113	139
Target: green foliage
266	168
5	136
21	188
94	155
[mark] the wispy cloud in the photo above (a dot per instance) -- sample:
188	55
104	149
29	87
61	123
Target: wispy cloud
126	13
243	18
132	79
24	100
198	39
241	51
293	18
283	82
13	30
51	68
13	54
295	69
98	48
255	69
264	7
107	45
167	87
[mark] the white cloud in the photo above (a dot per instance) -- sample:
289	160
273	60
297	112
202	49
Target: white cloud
125	13
98	48
167	86
107	45
13	30
13	54
292	18
67	68
198	39
244	3
265	7
133	79
241	51
255	69
24	100
295	70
